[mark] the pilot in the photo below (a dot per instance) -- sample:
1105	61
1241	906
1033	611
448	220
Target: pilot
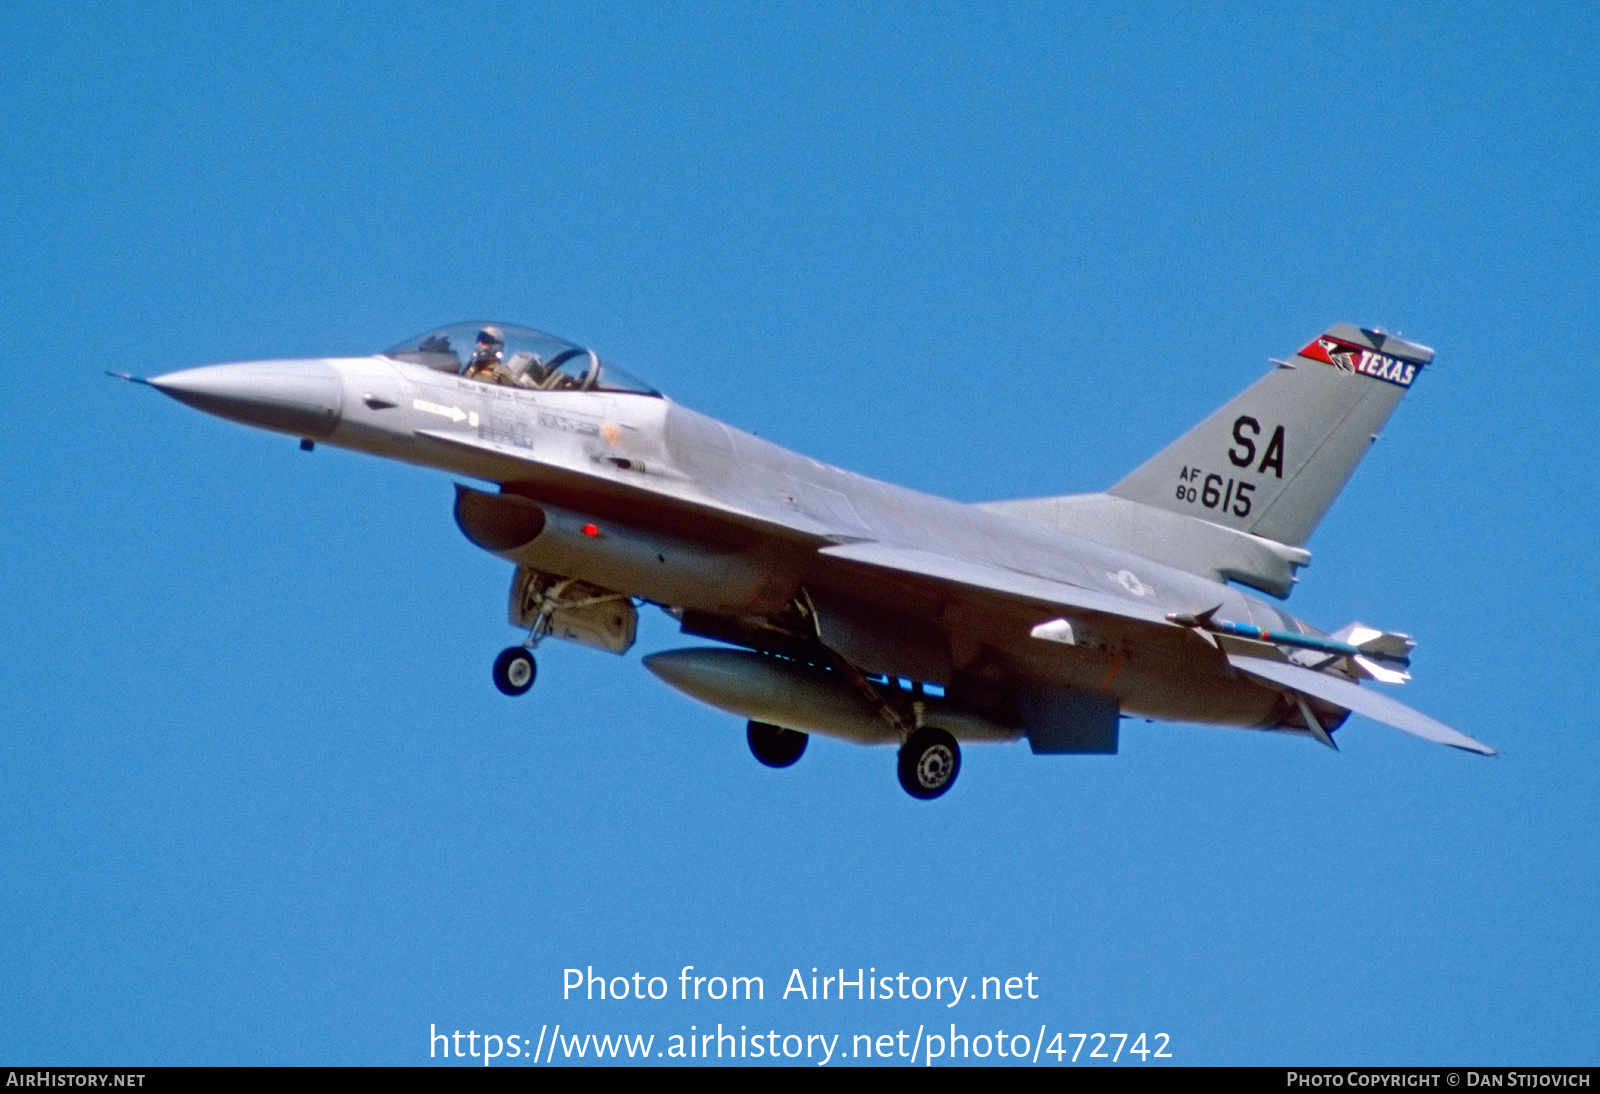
485	363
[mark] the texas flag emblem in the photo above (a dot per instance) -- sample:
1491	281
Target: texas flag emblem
1351	358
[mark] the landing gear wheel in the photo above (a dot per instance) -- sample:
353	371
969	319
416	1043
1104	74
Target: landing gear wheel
514	670
930	760
774	745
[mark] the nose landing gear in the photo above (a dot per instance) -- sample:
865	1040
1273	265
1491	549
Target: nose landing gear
514	670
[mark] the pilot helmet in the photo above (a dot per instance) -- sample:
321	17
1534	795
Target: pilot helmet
491	345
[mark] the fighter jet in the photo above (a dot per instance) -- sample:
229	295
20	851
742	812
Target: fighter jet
864	611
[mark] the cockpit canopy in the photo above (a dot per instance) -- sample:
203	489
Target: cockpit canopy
525	358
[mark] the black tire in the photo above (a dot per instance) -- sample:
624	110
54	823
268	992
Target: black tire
930	760
774	745
514	670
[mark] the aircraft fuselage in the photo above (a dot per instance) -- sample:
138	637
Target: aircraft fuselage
673	498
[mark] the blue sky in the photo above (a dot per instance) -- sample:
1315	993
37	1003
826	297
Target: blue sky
263	802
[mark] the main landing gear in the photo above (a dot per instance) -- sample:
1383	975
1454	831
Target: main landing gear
514	670
930	760
774	745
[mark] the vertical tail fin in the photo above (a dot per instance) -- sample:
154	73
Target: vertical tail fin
1272	460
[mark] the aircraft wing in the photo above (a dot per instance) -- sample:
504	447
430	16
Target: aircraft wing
1053	595
1351	696
995	579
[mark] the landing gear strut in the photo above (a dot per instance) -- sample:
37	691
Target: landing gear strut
514	670
930	760
774	745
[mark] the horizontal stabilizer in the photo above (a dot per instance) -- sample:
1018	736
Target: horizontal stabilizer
1353	697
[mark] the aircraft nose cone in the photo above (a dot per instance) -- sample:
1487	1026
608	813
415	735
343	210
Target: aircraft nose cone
299	397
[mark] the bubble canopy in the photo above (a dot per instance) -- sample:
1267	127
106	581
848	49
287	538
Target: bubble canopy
503	353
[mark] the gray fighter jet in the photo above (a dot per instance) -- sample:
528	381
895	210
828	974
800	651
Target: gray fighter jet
860	610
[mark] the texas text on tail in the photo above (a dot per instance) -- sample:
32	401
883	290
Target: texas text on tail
861	610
